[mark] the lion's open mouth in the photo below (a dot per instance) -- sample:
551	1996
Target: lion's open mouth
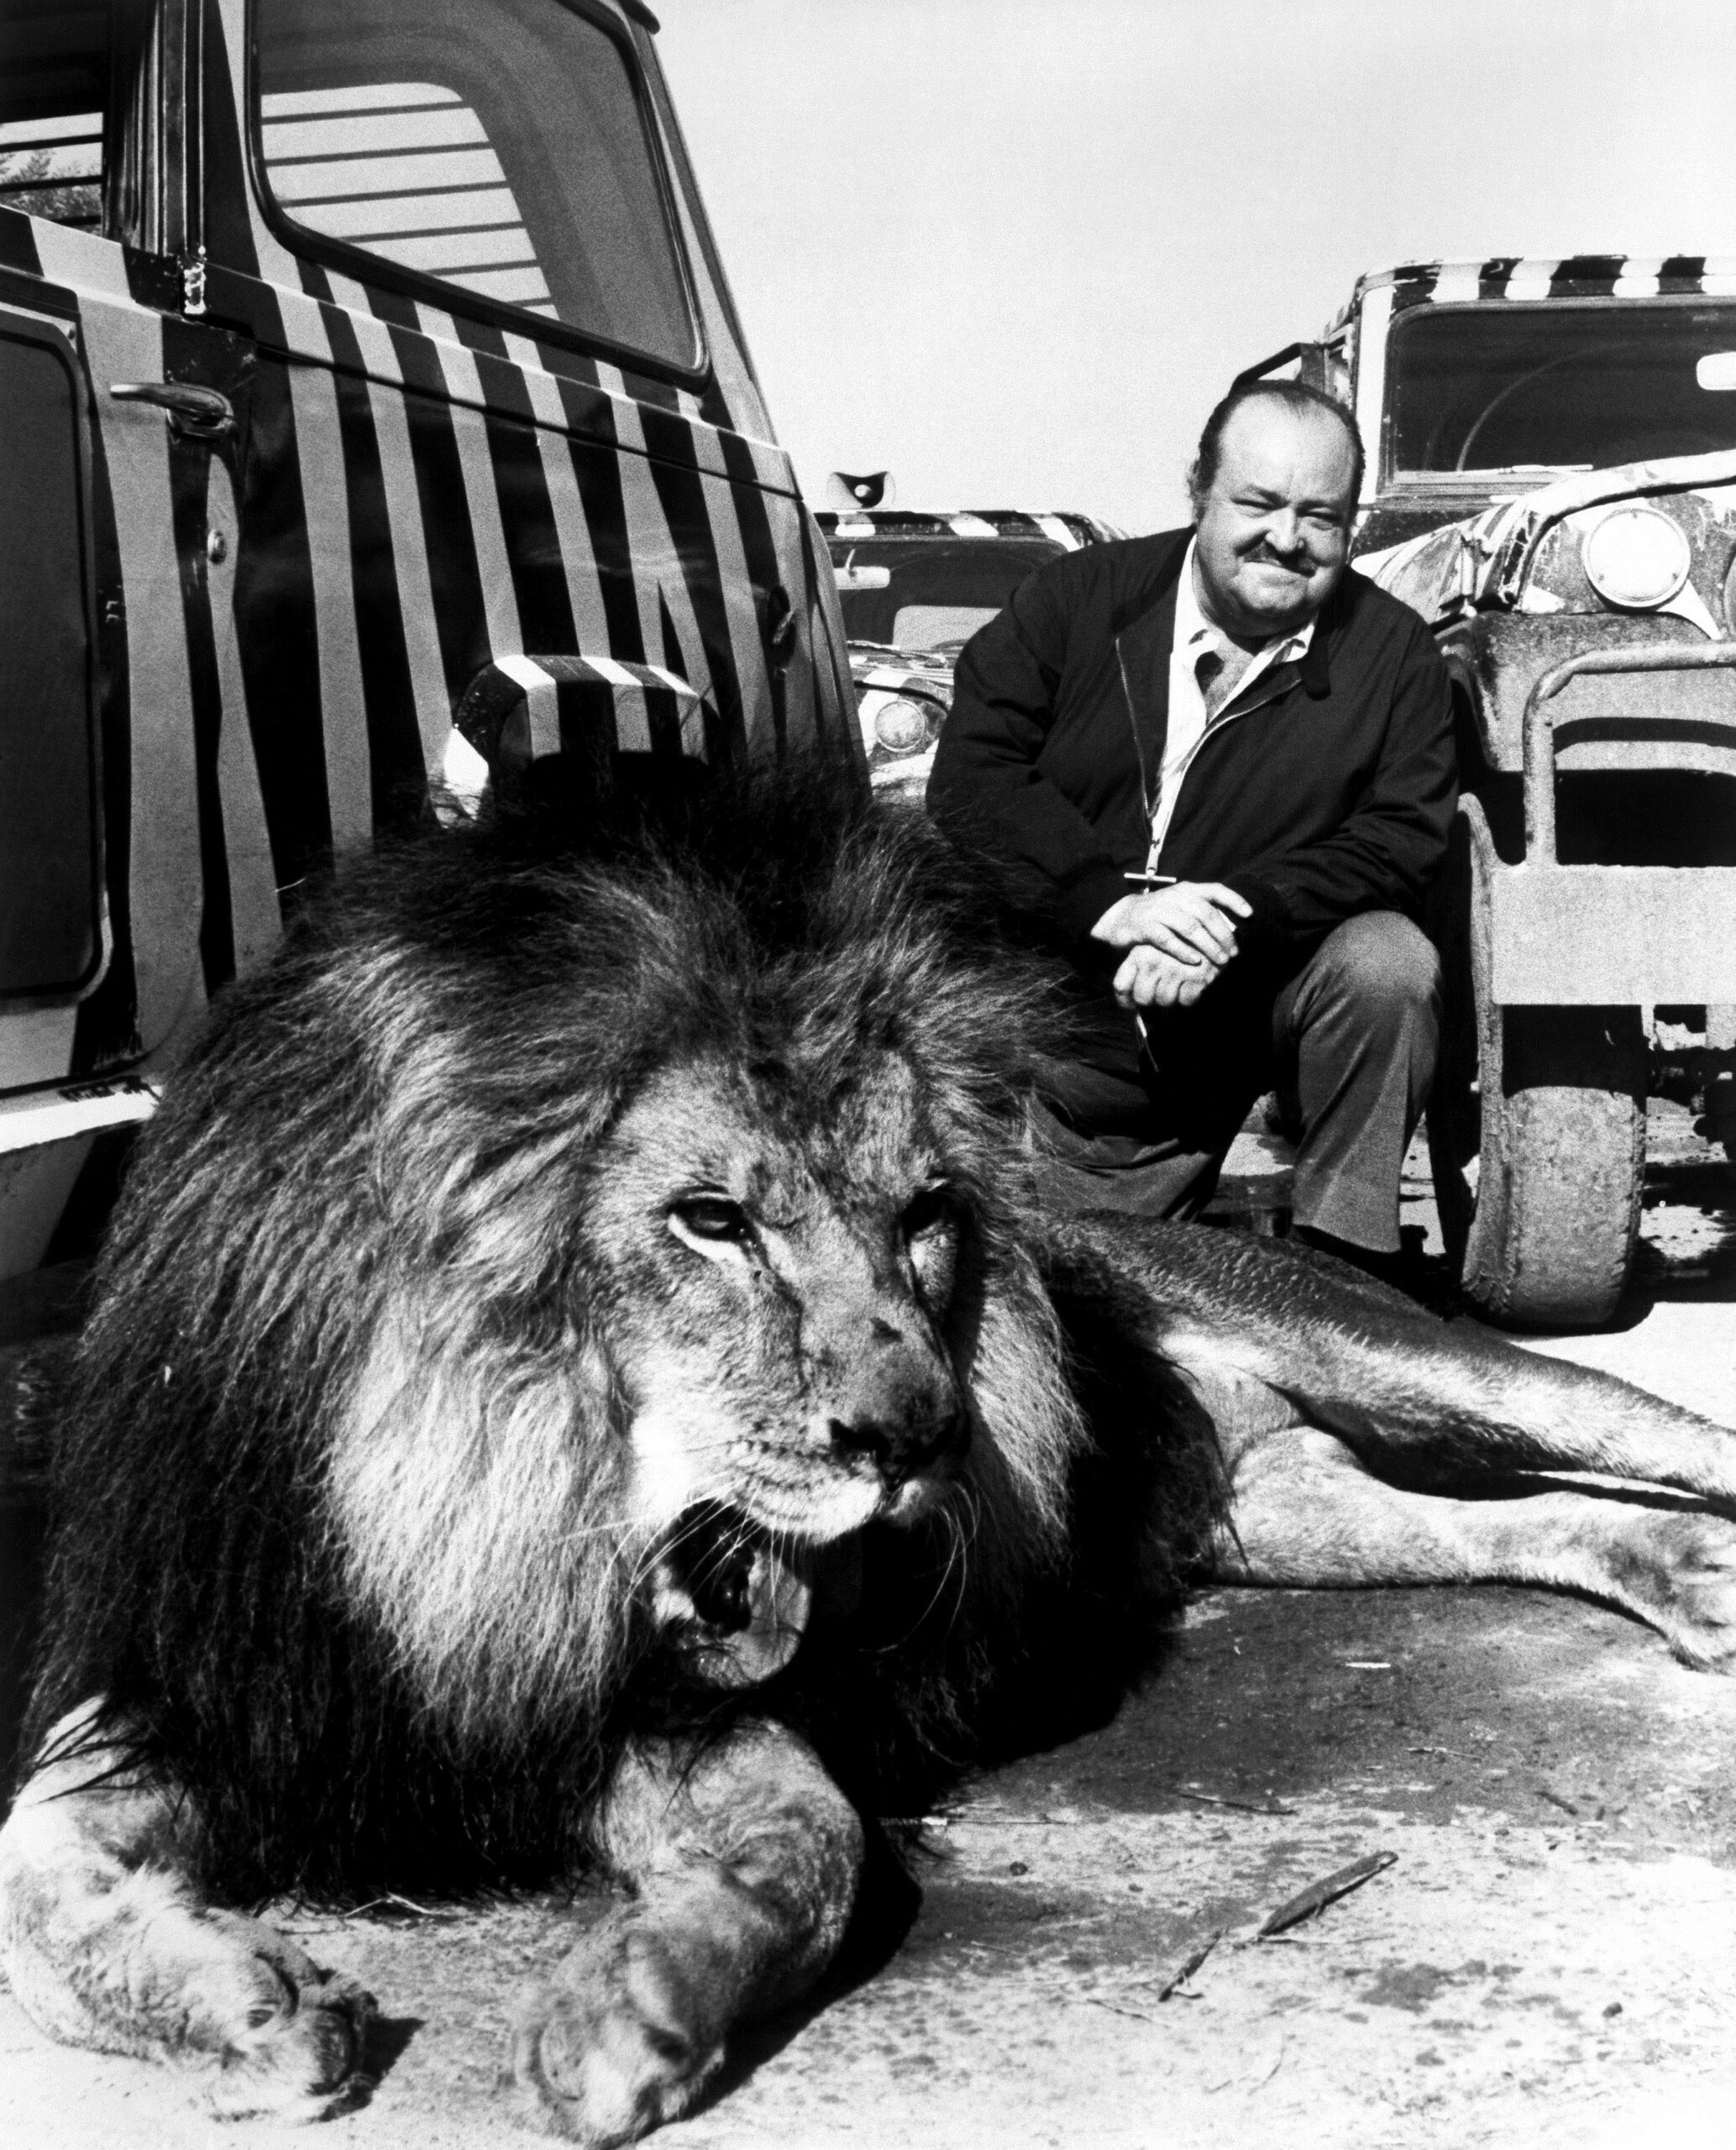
747	1594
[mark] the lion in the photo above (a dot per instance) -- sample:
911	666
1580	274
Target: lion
580	1378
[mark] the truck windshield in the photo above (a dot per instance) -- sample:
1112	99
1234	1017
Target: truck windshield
1505	387
923	593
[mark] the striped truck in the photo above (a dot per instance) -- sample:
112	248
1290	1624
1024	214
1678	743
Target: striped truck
375	415
1552	484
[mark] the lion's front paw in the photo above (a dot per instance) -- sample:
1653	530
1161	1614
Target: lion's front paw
286	2036
1682	1575
617	2040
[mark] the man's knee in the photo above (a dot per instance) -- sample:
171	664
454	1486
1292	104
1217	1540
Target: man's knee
1381	962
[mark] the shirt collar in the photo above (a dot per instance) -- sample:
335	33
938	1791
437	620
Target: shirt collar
1191	625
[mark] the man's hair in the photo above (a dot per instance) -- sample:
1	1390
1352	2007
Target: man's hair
1295	395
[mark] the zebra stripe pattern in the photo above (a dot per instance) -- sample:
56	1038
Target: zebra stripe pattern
1517	277
421	511
1066	529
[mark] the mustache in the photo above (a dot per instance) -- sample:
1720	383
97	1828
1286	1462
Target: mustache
1264	555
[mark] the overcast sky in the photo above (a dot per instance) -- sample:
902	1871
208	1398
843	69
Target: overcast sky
1013	250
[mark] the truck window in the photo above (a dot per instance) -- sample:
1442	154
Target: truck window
49	924
1494	388
498	146
54	82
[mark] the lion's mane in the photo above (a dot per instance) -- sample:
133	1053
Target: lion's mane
337	1519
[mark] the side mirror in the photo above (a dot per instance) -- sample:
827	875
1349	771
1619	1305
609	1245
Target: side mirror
1321	365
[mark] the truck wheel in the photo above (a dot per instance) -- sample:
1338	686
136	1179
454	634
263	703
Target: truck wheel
1536	1128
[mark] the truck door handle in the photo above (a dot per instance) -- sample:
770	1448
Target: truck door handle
779	627
204	413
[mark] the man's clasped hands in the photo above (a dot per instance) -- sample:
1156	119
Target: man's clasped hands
1177	939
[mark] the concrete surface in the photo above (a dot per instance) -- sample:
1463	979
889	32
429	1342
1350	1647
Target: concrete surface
1551	1957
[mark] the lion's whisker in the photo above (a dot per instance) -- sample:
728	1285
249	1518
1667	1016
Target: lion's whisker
618	1524
954	1558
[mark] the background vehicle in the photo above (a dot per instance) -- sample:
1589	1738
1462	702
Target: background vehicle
914	588
374	413
1552	484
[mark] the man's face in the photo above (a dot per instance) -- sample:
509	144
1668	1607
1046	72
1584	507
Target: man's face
1274	530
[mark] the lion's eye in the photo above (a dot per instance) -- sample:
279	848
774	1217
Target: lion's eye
713	1218
931	1210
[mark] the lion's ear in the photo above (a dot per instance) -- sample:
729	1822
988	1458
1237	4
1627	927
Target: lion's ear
478	1500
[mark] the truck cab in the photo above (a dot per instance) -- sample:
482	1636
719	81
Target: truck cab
1551	484
376	421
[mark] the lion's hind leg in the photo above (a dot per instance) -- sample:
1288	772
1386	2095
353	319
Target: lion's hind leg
1305	1514
108	1945
1393	1381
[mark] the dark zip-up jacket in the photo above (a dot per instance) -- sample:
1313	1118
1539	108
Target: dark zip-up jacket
1331	796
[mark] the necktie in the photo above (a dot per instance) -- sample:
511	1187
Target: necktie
1208	670
1218	669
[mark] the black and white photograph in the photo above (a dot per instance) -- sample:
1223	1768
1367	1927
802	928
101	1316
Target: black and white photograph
868	1074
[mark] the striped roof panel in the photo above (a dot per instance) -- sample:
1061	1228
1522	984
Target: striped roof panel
1565	276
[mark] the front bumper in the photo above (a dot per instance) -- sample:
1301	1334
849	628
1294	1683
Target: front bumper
1604	935
1612	935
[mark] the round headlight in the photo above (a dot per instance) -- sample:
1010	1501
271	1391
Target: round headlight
1636	558
901	726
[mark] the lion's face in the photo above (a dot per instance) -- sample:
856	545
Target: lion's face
780	1332
775	1300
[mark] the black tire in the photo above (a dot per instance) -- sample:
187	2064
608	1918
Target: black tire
1548	1105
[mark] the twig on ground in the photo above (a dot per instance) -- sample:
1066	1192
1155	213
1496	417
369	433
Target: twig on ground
1116	2008
1241	1806
1318	1893
1555	1798
395	1901
1191	1964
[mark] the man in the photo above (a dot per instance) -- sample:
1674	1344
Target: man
1214	769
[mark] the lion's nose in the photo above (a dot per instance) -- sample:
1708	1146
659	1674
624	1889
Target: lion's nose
903	1443
887	1395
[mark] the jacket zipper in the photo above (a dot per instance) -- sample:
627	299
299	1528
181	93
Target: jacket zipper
1155	845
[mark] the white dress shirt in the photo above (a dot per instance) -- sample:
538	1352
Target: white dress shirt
1196	637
